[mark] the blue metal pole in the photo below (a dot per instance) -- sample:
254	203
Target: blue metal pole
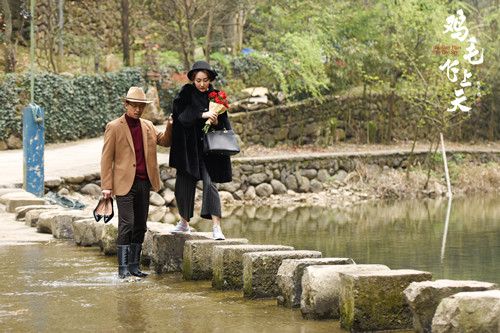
33	148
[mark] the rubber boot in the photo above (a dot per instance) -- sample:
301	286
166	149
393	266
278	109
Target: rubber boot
123	253
135	260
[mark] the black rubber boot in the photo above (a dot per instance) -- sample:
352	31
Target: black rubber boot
123	255
135	260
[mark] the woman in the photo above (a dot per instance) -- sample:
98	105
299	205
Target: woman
190	112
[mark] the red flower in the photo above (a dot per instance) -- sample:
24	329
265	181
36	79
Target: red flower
212	95
217	100
222	94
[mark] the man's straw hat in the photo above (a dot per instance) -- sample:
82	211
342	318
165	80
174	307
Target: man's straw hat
137	95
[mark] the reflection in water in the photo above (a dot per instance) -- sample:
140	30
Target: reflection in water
401	234
60	287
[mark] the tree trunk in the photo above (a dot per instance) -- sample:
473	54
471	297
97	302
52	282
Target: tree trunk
60	28
9	52
208	36
125	32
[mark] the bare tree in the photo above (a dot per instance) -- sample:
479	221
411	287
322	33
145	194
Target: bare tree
9	48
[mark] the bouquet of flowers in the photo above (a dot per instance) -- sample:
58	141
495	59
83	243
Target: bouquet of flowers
218	103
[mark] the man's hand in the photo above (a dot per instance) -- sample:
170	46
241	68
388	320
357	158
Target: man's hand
106	194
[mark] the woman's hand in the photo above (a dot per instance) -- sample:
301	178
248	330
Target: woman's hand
210	115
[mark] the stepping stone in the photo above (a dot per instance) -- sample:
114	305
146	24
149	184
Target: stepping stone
85	232
147	245
168	249
18	199
289	277
321	289
197	263
373	301
62	223
109	234
44	223
31	217
22	210
13	193
227	263
424	298
468	312
260	271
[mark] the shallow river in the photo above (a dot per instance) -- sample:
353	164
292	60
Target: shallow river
59	287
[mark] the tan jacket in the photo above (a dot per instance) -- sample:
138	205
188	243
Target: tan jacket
118	155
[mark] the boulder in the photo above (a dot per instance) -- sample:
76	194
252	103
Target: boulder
156	199
227	263
168	249
468	312
250	193
14	142
257	178
264	190
18	199
374	301
278	187
168	196
424	298
92	190
321	289
260	270
156	213
289	277
197	258
52	182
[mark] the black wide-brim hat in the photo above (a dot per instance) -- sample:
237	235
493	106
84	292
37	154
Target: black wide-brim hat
201	65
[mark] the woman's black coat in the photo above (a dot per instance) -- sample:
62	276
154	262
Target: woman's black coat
186	151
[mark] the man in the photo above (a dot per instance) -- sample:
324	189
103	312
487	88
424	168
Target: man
129	170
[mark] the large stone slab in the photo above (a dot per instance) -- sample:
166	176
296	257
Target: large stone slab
468	312
168	250
44	223
197	263
260	271
289	277
12	193
374	301
85	232
62	223
109	234
424	298
22	210
147	245
227	263
18	199
321	289
31	217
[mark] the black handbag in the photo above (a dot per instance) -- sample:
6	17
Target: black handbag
221	142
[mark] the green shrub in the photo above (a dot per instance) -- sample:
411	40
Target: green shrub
75	107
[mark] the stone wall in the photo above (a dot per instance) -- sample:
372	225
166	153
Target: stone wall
352	117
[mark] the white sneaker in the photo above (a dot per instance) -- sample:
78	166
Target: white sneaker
182	227
217	233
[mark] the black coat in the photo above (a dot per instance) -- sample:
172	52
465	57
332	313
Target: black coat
186	151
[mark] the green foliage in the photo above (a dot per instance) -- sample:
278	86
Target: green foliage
75	107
